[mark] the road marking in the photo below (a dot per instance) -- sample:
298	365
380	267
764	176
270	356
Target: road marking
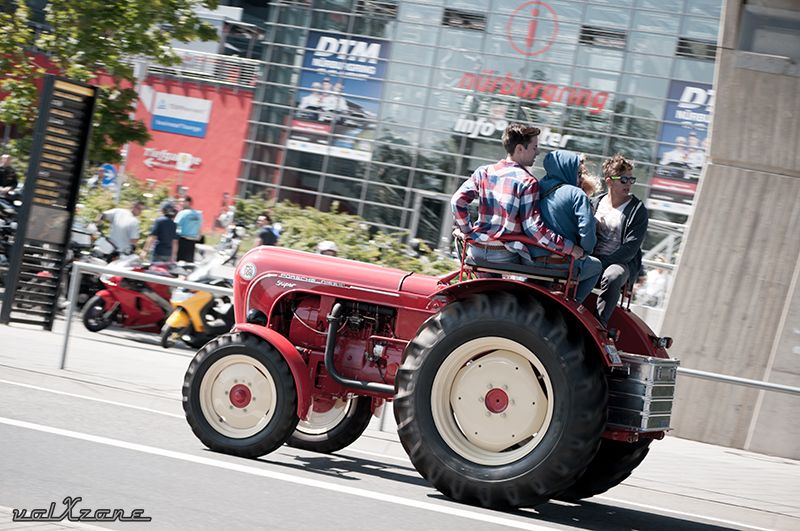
93	399
616	501
280	476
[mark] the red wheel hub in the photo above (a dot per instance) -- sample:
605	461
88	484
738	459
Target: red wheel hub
496	400
240	395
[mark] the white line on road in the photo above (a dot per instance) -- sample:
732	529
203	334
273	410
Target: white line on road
84	397
279	476
623	503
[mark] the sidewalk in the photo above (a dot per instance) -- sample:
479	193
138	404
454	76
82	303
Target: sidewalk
750	488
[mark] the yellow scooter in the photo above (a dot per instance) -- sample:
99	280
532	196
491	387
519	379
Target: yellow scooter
198	316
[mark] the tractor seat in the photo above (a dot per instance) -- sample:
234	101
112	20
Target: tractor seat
532	271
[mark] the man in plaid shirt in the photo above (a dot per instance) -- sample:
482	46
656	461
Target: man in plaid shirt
508	197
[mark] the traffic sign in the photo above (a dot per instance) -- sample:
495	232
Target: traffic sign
109	174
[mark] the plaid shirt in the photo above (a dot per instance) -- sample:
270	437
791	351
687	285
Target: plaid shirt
508	204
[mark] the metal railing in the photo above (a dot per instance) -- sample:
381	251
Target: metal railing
80	268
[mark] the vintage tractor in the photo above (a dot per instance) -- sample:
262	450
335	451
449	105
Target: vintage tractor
506	392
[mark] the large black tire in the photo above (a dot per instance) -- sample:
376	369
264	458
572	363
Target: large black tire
93	312
335	429
528	437
230	375
611	466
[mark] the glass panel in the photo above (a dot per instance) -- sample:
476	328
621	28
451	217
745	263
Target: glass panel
395	133
415	33
664	6
263	153
648	64
338	204
383	214
402	114
272	114
606	16
421	14
303	160
708	8
330	21
412	53
386	195
298	198
700	28
343	187
396	93
644	86
347	168
373	26
652	44
333	5
261	173
391	174
647	20
299	179
694	70
469	5
599	58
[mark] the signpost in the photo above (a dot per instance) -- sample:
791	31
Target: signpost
60	144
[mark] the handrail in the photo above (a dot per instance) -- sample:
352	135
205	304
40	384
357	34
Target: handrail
737	380
79	268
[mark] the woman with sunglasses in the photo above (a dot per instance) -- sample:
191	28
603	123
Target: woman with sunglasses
621	227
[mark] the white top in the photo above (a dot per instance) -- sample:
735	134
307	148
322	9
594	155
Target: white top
609	226
124	228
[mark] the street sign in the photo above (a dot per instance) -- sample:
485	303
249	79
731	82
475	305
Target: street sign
183	162
109	174
60	145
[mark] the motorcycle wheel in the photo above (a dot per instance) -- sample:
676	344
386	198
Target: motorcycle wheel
93	315
170	334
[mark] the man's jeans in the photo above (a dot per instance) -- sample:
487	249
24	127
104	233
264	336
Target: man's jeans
588	270
614	277
500	255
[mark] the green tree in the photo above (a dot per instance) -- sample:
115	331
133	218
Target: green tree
91	38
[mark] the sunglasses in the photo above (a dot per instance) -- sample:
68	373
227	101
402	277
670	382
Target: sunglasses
623	179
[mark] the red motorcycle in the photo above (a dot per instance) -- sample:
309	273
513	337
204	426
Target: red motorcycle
131	303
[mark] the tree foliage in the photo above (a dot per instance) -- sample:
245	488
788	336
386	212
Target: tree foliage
89	38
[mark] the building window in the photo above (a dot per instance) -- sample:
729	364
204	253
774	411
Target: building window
696	49
770	31
464	19
603	37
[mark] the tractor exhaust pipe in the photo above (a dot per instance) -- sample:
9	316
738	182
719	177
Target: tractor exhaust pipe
334	319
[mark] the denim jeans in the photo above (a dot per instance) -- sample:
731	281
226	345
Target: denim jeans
587	269
499	255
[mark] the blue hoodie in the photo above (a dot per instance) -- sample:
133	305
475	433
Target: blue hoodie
566	209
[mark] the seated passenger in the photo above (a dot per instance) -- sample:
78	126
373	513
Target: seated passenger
567	211
621	227
507	195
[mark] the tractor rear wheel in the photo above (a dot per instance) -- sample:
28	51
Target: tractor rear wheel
611	466
239	396
497	403
329	429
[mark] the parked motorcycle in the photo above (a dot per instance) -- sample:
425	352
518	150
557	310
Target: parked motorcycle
231	241
131	303
199	316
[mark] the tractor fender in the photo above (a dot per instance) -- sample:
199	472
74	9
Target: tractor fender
293	358
570	309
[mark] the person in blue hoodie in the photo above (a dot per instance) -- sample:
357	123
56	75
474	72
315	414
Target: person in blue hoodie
567	211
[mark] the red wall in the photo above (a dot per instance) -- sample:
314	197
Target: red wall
220	150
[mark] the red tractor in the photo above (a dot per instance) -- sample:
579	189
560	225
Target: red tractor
506	392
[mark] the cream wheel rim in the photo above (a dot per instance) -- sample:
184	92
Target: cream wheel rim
492	401
238	396
323	422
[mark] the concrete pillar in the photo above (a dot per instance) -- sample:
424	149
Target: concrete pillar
735	304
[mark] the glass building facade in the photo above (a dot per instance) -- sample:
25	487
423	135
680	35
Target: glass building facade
386	107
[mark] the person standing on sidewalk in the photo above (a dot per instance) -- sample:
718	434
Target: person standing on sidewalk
189	222
162	243
124	229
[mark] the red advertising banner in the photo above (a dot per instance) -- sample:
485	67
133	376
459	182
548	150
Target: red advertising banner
207	166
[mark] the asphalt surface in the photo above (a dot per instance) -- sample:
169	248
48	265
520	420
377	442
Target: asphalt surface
110	429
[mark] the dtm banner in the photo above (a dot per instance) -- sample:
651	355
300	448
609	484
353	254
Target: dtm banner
682	151
60	143
338	96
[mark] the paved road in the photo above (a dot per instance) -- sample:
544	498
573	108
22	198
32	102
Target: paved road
110	429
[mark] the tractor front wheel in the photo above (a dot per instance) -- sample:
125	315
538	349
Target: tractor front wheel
497	403
333	426
239	396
